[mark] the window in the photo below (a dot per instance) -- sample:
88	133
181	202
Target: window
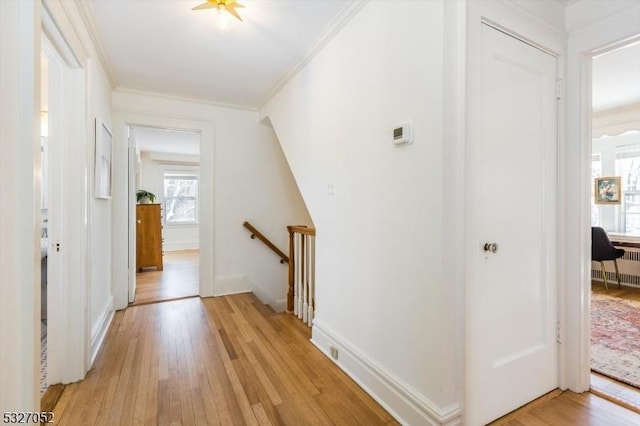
596	171
180	197
618	156
628	168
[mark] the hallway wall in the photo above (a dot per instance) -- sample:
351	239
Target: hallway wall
252	182
380	276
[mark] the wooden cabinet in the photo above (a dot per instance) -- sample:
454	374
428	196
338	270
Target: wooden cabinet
148	236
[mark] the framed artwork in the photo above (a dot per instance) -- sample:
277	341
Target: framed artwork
103	163
607	190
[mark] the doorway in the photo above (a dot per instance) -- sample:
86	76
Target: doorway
166	164
615	153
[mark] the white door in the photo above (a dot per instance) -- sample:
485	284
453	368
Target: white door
133	176
511	202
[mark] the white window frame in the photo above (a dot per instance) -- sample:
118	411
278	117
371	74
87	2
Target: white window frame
178	171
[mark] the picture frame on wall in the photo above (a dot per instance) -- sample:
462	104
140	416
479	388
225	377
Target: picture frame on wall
103	160
607	190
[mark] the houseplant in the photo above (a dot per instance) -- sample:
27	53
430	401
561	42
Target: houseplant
145	197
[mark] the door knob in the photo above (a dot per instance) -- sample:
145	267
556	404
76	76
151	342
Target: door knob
492	247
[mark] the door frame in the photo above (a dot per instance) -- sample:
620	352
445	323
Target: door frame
70	341
122	240
614	31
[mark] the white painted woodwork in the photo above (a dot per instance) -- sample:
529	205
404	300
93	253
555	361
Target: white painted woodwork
56	323
593	27
20	194
131	205
511	196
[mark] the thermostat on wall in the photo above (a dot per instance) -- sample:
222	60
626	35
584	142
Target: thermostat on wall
402	135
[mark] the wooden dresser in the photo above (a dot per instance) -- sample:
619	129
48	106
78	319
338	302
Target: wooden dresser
148	236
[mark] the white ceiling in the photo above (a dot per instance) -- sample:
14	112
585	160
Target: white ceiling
163	46
167	141
616	78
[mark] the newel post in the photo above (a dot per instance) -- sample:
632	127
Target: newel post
292	263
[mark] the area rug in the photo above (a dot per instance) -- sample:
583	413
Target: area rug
615	338
43	358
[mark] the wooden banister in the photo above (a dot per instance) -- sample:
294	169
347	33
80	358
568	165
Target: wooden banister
256	234
301	229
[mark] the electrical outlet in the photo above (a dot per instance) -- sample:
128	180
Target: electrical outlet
331	189
334	352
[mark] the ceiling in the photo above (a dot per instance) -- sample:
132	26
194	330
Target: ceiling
167	141
616	78
163	46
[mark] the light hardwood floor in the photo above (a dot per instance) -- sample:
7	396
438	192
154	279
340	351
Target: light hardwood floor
180	278
227	360
231	360
568	409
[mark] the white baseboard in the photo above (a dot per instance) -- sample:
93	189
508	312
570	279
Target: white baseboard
99	331
194	245
235	284
232	284
404	404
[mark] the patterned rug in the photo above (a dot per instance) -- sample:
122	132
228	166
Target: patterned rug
615	338
43	358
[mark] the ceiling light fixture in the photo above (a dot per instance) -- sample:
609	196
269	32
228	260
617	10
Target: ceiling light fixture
221	6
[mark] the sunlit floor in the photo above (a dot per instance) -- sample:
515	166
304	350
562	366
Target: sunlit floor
180	278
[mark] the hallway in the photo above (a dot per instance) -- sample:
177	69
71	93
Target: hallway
227	360
179	278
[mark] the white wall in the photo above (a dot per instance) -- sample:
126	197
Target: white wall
19	105
380	271
152	168
252	182
100	224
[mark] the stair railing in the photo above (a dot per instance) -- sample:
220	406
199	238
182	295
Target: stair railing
301	294
257	234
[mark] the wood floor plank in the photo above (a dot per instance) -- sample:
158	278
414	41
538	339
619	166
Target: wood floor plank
179	278
170	363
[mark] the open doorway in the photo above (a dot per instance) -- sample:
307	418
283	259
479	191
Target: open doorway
615	161
166	165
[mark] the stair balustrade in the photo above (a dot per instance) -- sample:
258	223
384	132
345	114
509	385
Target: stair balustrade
301	294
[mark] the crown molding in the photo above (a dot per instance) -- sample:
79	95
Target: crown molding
183	98
340	21
87	14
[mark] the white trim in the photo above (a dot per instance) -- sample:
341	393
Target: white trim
183	98
87	14
583	44
340	21
232	284
188	245
99	332
121	121
453	157
19	252
403	402
68	320
235	284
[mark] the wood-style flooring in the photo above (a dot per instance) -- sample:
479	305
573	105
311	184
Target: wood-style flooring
180	278
568	409
217	361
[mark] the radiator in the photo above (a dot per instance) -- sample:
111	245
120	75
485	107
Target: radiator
629	266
